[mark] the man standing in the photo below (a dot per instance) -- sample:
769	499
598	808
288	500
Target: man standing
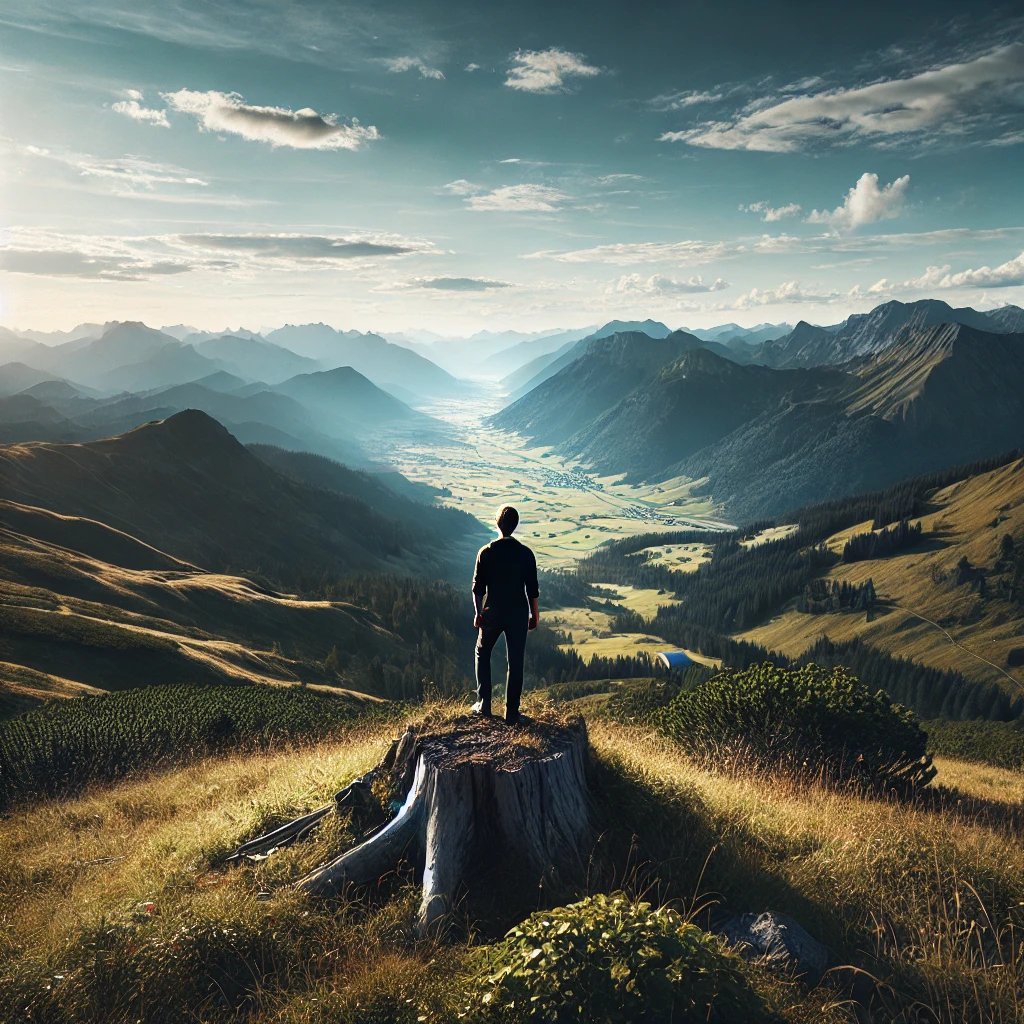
505	599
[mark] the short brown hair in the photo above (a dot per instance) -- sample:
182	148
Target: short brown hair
508	520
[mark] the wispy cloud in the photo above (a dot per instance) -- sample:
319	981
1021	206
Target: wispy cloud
865	203
682	100
128	172
471	67
133	108
278	126
772	213
72	263
304	248
627	253
659	284
956	98
1007	275
457	284
547	71
509	198
396	65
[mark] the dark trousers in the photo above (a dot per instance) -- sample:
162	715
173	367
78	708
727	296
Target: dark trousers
515	644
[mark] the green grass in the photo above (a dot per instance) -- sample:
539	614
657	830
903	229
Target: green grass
66	744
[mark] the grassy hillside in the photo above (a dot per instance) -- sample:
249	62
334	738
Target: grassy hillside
117	904
929	609
186	485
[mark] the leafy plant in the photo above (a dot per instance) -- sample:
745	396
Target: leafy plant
608	959
815	721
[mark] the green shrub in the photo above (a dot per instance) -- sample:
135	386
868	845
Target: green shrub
607	959
1000	744
811	721
66	744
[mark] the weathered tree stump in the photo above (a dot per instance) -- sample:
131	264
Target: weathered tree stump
475	789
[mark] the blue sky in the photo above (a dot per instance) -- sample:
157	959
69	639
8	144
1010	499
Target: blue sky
456	167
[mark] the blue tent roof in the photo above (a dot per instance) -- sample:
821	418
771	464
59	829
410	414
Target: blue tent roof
675	659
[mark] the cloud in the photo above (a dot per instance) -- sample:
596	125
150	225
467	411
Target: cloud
278	126
787	292
624	254
461	187
132	108
1007	275
546	71
76	263
127	172
518	199
955	99
682	100
471	67
396	65
658	284
457	284
772	213
304	248
865	203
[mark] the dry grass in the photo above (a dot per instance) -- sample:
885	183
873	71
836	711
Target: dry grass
926	898
930	900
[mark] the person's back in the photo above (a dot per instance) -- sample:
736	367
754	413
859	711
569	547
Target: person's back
505	596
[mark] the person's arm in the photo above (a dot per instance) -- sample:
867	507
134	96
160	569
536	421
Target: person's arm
532	589
479	589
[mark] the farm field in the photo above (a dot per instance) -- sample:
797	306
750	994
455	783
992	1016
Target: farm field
565	511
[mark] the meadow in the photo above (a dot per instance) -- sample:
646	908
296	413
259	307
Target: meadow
117	903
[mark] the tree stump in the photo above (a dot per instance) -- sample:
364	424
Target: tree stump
475	789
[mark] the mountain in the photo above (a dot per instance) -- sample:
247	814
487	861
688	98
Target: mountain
378	491
866	333
169	365
254	358
15	377
937	396
652	328
371	355
530	374
686	406
345	397
186	485
603	371
511	359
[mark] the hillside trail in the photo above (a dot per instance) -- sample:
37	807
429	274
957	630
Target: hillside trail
956	643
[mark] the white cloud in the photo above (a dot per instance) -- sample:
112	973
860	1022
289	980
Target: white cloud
309	248
625	254
519	198
787	292
133	109
772	213
134	94
461	187
682	100
658	284
1007	275
865	203
546	71
471	67
127	173
951	99
457	284
396	65
278	126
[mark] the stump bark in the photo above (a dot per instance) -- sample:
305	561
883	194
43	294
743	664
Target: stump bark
475	790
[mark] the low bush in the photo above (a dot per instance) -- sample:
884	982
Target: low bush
809	721
609	960
66	744
1000	744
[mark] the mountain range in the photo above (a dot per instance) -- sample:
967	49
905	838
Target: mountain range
892	393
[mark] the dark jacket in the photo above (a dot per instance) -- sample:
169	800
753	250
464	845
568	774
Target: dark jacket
506	571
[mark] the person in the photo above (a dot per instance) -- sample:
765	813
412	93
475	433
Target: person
505	600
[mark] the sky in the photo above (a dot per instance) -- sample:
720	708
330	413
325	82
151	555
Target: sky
454	167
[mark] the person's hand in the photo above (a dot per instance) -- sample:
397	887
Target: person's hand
478	621
533	622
